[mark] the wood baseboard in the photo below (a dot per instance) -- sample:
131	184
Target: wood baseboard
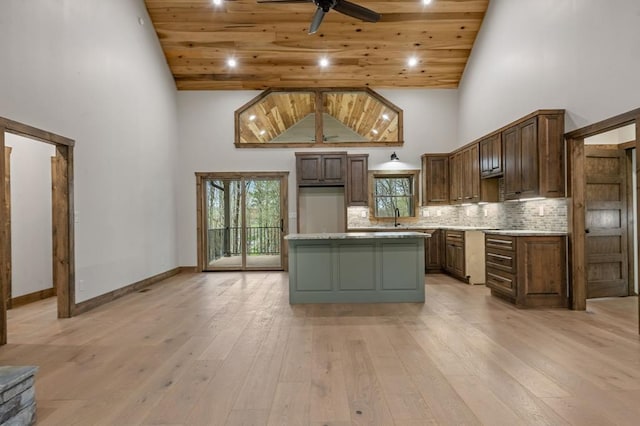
188	269
32	297
90	304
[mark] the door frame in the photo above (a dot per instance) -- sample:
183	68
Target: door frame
63	223
577	205
201	227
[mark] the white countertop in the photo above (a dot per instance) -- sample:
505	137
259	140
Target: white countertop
356	235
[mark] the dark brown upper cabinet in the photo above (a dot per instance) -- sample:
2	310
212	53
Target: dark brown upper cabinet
357	180
464	175
534	156
491	156
321	169
318	117
435	179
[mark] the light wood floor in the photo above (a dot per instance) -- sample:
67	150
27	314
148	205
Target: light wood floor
227	348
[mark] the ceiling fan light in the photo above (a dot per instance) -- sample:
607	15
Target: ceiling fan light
394	157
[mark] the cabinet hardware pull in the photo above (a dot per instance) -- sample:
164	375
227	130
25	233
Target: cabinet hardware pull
499	256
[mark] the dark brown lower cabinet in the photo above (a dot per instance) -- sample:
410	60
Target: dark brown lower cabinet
434	254
454	254
529	271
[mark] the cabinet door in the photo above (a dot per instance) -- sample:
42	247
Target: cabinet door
529	158
357	180
474	176
455	178
309	169
435	171
491	156
512	179
433	258
334	168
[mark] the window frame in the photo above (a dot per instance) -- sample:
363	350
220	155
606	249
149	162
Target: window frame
319	110
413	174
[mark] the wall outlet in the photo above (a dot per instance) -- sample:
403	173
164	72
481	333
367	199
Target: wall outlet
363	213
425	213
438	212
541	211
486	213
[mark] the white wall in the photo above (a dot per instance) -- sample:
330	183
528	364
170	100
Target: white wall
31	242
89	71
206	128
582	56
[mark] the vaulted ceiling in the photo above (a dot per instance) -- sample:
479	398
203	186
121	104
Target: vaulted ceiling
272	47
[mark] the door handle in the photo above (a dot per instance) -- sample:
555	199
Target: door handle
281	225
586	231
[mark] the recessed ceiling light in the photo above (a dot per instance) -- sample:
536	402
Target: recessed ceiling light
385	117
262	132
425	2
217	2
412	61
232	62
324	62
252	117
374	131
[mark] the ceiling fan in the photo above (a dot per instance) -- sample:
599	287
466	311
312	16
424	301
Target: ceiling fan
342	6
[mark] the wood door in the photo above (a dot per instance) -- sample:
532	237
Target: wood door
606	222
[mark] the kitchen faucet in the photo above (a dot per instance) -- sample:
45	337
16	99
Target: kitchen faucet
395	217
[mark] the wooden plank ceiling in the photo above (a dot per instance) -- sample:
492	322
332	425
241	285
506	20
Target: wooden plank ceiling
271	44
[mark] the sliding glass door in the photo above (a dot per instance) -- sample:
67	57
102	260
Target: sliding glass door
243	221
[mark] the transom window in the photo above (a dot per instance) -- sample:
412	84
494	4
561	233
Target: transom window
318	117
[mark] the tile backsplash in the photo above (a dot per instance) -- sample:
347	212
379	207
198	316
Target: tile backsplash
541	215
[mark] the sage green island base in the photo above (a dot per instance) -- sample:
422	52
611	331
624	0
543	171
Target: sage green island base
356	267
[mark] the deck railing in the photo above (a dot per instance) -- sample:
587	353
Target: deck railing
261	240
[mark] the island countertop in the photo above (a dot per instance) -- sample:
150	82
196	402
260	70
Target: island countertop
357	235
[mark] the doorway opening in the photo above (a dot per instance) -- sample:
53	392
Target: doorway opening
241	221
603	231
62	231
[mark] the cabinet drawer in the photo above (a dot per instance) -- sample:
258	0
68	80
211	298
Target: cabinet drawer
503	260
500	242
501	281
454	237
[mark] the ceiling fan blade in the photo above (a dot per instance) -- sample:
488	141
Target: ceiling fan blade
317	20
356	11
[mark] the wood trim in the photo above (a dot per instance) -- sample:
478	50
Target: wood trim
200	237
90	304
605	125
5	256
631	224
62	224
188	269
33	297
7	288
20	129
63	230
627	145
576	225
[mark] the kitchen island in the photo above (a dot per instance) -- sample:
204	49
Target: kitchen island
356	267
